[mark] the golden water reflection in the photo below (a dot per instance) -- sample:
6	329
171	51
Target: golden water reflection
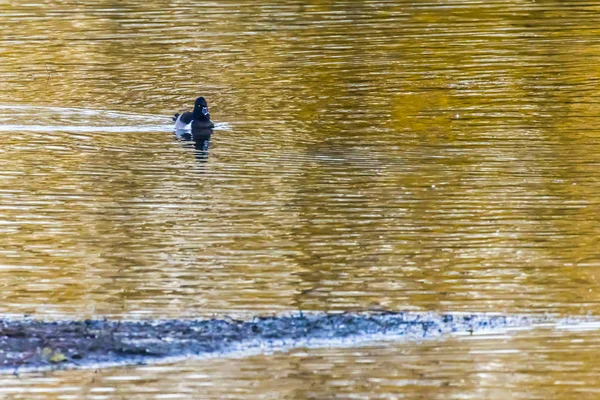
382	155
397	155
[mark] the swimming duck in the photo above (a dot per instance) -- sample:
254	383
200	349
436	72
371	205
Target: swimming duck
198	120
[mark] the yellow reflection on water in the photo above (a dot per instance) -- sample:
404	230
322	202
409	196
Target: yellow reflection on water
382	155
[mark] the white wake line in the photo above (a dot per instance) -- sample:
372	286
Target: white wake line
90	129
84	111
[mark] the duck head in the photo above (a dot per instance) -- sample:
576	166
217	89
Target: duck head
201	110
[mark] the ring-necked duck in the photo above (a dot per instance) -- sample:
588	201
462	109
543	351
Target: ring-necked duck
198	120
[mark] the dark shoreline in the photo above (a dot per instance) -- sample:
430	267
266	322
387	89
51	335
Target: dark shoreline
29	345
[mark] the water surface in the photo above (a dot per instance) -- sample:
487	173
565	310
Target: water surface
403	155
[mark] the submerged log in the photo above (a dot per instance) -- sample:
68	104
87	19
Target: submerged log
29	344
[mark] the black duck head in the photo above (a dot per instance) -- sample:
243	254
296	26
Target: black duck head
201	110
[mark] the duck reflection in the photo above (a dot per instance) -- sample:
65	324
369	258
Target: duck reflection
198	140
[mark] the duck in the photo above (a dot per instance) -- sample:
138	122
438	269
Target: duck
197	120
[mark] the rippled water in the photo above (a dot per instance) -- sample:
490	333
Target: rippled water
404	155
